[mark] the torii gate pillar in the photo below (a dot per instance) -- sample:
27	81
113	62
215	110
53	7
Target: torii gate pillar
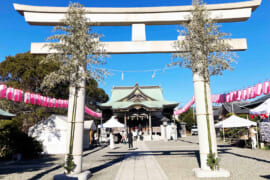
139	18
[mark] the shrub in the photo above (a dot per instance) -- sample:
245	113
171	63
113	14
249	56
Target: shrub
213	161
13	141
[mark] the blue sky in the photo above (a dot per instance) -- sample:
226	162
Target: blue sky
252	67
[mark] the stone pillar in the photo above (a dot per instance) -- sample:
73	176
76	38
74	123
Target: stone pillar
79	126
198	82
150	125
183	129
125	121
165	133
111	140
173	131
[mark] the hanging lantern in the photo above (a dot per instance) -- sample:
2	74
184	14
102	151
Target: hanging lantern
222	98
10	93
217	100
56	104
244	94
66	103
249	90
238	95
253	92
32	98
27	97
49	102
3	89
36	98
232	96
41	100
259	89
53	102
17	95
228	97
61	103
265	87
45	101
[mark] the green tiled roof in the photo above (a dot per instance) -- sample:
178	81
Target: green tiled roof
4	114
153	92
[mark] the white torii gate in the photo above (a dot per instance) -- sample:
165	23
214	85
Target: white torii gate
138	18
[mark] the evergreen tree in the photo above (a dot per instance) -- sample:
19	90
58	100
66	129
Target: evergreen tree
188	118
24	71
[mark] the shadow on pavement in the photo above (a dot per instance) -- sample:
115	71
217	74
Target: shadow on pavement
116	159
225	151
191	153
96	149
265	176
187	141
38	176
28	165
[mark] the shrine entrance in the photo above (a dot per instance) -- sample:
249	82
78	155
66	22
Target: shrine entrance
138	119
140	108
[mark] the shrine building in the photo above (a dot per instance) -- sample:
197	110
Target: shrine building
140	107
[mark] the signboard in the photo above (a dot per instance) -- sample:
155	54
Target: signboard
156	129
265	131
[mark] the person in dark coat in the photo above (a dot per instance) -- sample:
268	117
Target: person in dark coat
130	140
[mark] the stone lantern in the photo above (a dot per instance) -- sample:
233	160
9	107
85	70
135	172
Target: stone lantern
165	121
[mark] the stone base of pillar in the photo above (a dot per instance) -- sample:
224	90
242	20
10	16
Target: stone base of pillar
85	175
221	173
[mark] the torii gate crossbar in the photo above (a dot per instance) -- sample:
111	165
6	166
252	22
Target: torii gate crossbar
138	18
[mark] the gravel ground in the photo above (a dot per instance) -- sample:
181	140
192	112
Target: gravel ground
179	158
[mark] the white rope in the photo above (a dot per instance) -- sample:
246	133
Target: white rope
136	71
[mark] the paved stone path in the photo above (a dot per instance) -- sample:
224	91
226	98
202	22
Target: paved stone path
158	160
140	165
177	159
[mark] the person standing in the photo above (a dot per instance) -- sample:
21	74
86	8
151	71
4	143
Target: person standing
252	134
135	134
111	140
96	138
130	140
140	136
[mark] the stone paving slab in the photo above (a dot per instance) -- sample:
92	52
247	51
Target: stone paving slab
140	165
175	159
178	158
101	161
